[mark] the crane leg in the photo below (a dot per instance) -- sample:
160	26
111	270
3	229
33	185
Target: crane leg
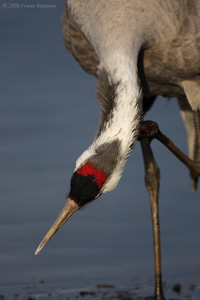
152	182
191	121
149	130
196	155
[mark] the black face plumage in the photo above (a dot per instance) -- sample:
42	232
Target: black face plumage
83	188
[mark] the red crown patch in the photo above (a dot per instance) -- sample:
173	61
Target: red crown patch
89	169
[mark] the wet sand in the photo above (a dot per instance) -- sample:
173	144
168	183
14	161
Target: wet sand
135	291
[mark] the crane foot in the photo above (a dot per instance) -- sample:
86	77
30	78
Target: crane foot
148	131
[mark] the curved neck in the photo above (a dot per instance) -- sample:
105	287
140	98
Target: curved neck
121	114
120	96
120	100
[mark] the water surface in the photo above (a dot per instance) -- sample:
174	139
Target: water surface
49	115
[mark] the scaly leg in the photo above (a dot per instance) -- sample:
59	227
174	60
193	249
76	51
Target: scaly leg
152	178
196	115
149	130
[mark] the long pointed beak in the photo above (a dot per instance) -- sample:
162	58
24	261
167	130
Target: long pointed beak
69	208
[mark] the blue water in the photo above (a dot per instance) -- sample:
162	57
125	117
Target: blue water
49	115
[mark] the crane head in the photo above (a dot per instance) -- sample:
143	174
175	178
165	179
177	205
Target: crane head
86	185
